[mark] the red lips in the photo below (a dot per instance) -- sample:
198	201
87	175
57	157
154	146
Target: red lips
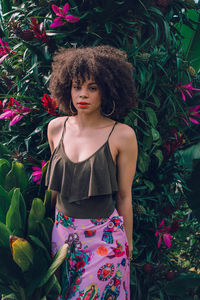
83	104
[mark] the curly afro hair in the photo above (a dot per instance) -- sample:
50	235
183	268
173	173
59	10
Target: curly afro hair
106	65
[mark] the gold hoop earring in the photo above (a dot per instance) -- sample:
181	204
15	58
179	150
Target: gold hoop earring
70	108
113	109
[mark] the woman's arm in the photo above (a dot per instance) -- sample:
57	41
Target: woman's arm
53	134
126	163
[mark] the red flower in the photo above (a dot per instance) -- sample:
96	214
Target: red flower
49	104
1	107
74	288
39	31
80	264
173	143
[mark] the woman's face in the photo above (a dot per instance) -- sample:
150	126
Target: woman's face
86	97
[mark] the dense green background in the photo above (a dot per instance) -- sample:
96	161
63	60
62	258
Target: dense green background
161	39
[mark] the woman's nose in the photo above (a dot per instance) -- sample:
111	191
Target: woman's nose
83	93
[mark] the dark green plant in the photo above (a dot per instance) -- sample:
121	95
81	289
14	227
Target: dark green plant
27	269
154	35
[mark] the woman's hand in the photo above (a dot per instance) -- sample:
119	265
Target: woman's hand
130	247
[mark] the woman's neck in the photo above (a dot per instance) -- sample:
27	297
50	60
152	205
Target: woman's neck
84	120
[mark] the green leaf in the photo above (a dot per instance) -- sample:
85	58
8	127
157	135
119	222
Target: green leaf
151	116
4	204
16	177
9	297
149	184
158	153
108	27
38	243
155	134
4	236
47	202
147	142
180	285
4	151
22	253
191	40
4	168
58	260
36	215
13	217
46	227
143	162
6	5
22	208
52	287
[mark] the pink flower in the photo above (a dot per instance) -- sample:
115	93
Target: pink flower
38	173
163	233
4	50
14	111
194	111
186	89
62	16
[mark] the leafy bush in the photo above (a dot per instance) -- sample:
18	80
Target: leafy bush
161	39
27	269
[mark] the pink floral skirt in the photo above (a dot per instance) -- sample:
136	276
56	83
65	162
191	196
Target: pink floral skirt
97	264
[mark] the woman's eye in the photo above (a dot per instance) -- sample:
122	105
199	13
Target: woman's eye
93	88
76	87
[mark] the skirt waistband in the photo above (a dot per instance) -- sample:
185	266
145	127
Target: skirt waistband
112	221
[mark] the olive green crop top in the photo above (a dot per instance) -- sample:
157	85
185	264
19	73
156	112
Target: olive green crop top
86	189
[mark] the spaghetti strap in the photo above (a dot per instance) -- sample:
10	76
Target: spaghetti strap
112	130
64	128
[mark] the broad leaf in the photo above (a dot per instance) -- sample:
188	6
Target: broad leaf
151	116
22	252
58	260
13	217
5	201
4	236
36	215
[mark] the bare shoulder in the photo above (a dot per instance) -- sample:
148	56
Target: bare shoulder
54	131
125	134
55	125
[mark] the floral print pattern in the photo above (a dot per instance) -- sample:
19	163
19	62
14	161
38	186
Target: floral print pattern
97	265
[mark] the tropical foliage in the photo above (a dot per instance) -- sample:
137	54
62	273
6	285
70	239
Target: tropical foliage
27	269
161	39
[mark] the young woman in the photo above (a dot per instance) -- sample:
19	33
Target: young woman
91	171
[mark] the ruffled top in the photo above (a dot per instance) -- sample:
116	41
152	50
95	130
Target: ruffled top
75	182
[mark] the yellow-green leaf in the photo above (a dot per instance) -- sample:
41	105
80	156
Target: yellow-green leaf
22	252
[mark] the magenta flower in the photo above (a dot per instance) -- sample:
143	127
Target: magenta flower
38	173
163	233
186	89
4	50
194	112
62	16
15	113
